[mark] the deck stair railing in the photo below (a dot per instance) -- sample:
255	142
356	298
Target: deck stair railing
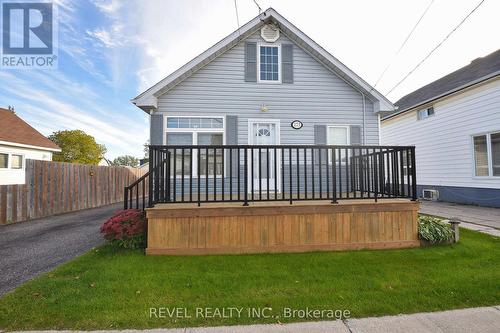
249	173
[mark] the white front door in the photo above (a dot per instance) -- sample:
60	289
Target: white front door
264	167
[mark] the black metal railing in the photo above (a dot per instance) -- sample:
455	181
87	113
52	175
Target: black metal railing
248	173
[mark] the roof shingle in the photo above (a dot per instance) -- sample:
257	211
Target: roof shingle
14	129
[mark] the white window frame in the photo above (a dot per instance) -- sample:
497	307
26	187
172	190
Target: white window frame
348	133
427	112
277	45
194	132
9	161
489	151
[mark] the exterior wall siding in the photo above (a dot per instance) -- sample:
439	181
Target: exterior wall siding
444	148
316	96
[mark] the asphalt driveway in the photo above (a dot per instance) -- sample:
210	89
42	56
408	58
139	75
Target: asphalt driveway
28	249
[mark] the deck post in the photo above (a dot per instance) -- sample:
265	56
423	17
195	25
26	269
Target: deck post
413	174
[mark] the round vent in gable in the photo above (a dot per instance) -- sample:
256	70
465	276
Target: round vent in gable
270	33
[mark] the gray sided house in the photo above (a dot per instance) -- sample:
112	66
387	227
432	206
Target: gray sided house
261	79
265	84
454	123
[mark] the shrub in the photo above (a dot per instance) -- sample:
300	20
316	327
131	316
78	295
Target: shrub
433	229
126	229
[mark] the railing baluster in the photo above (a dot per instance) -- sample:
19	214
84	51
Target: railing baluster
239	171
182	175
260	175
267	173
313	179
305	173
230	175
334	175
252	175
298	173
174	187
290	171
245	177
190	174
275	172
198	180
206	175
215	175
320	172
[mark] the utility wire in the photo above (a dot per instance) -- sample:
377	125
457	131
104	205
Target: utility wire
260	9
237	17
403	44
435	48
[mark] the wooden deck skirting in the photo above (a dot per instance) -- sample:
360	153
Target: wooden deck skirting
185	229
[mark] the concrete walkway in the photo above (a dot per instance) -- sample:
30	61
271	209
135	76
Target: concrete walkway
483	219
30	248
484	320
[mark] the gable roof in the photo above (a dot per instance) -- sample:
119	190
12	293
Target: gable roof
477	71
15	131
148	99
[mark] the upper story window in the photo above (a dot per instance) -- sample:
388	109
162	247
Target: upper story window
487	155
269	68
425	113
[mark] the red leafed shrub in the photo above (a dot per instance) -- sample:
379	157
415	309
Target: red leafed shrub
126	228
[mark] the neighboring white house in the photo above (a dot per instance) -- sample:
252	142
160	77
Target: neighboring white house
19	142
454	123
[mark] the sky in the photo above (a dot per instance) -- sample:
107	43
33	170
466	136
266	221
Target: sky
112	50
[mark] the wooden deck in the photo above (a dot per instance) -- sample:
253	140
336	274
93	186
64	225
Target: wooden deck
186	229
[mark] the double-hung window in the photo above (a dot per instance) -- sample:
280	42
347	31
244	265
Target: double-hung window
204	131
338	135
487	154
269	63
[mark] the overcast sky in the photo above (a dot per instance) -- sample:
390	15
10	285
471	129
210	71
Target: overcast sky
109	51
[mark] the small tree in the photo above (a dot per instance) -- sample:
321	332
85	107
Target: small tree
77	147
126	160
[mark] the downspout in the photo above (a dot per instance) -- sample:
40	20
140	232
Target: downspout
364	119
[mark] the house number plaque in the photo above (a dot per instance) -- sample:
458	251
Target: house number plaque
297	124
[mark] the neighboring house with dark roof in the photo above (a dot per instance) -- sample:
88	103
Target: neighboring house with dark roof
19	142
454	122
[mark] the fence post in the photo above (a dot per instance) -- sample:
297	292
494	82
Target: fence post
150	178
125	197
413	174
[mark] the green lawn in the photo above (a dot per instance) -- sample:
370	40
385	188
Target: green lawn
115	289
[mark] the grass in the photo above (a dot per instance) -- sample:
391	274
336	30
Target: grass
114	289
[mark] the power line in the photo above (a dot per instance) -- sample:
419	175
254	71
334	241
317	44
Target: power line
436	47
403	44
260	9
237	16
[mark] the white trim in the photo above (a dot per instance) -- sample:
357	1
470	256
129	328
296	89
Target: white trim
15	144
489	152
278	46
276	122
252	121
9	161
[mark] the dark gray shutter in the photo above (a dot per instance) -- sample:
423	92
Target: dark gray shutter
355	135
287	63
250	62
320	139
232	139
156	129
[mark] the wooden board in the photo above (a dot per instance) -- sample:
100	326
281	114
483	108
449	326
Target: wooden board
312	226
53	188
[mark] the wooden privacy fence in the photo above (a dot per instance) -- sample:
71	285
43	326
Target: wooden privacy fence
54	187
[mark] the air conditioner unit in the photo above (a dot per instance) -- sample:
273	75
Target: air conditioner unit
432	195
270	33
